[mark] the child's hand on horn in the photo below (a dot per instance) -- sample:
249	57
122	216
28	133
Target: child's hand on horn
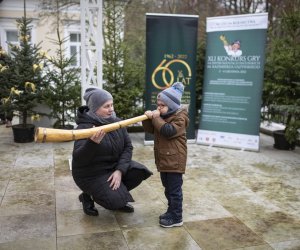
149	114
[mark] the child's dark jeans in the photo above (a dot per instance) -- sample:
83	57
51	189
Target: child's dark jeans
172	183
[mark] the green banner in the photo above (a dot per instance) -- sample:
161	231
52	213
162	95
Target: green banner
233	81
171	48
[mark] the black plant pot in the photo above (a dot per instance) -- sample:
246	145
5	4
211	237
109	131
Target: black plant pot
135	129
281	142
23	134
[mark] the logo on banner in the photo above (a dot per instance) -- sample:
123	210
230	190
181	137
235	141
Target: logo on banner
163	76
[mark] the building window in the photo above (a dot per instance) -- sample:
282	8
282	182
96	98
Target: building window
11	38
75	48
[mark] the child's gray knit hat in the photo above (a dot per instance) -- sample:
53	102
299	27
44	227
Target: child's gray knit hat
172	96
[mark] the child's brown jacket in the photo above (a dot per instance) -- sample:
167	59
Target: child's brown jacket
170	153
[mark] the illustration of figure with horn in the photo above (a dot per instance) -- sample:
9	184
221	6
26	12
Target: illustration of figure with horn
233	49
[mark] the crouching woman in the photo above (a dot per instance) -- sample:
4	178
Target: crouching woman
102	165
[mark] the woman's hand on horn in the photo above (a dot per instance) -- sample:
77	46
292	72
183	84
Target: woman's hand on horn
98	136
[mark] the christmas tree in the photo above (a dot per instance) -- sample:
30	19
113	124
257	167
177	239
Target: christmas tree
5	86
63	85
27	85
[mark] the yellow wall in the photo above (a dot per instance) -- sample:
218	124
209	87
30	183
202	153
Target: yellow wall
44	28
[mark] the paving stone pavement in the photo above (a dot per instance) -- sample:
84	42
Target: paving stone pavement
233	199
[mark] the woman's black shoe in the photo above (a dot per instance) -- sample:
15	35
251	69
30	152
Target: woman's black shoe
127	208
88	205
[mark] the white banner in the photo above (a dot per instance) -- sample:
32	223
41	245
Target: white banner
237	22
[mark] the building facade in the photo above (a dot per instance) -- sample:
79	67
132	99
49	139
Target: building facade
43	25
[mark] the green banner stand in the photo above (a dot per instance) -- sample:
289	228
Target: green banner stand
171	48
233	81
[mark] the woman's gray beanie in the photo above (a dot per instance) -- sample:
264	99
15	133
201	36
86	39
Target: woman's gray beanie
95	98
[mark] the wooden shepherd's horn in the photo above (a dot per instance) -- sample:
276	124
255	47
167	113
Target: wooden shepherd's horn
61	135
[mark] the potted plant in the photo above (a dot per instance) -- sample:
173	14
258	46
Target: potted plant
5	80
63	92
282	79
26	83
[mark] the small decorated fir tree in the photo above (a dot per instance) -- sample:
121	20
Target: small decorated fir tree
27	82
5	85
63	94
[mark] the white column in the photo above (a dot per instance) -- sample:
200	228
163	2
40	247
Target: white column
91	44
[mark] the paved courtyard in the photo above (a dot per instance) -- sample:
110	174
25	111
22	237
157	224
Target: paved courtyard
233	199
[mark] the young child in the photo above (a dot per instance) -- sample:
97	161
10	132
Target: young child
168	123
